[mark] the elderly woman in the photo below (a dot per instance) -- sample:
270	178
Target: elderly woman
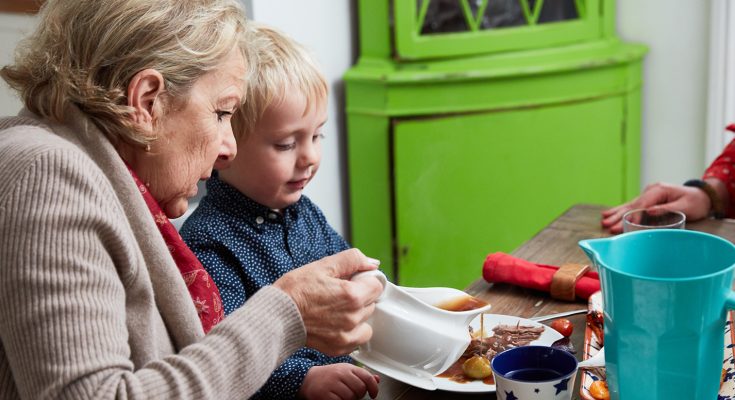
127	107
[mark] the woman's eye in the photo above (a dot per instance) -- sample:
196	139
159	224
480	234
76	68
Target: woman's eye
222	115
317	137
286	147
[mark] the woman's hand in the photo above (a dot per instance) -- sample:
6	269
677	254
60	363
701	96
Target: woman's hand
661	197
338	382
333	308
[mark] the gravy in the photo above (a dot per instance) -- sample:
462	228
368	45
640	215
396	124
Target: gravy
504	337
462	303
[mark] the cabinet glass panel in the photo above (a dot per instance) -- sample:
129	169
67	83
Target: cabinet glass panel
445	28
442	16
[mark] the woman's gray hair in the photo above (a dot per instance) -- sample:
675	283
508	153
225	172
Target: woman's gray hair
85	52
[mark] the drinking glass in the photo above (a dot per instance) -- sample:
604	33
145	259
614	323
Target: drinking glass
640	219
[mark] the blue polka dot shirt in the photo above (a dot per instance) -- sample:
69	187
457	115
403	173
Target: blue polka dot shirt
245	246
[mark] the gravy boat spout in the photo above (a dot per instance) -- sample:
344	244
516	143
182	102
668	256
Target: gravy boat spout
412	334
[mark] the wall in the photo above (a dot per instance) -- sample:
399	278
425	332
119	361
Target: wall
324	27
674	88
674	92
675	84
12	28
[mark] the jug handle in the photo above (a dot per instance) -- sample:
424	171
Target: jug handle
373	273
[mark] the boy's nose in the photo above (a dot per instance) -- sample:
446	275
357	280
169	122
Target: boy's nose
227	151
310	155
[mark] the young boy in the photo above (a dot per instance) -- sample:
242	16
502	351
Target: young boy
254	224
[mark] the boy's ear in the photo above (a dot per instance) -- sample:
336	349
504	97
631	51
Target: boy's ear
143	92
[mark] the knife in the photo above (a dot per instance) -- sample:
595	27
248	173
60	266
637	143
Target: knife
558	315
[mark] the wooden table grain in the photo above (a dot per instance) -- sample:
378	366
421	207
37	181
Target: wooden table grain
555	245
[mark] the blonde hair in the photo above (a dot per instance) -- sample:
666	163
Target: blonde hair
85	52
278	64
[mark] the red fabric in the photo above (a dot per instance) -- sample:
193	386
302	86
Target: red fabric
201	287
504	268
723	168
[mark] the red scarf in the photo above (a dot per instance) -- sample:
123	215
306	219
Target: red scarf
202	289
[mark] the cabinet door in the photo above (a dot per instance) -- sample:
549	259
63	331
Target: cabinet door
469	185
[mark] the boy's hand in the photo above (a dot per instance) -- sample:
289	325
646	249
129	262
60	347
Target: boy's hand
338	382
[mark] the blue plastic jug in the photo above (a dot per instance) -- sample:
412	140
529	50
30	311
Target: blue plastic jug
666	293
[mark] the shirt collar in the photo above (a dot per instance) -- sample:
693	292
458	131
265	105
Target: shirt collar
229	199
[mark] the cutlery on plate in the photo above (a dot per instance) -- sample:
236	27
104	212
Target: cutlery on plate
558	315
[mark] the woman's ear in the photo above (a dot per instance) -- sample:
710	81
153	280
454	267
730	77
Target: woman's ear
143	92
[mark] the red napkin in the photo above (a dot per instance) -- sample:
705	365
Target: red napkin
504	268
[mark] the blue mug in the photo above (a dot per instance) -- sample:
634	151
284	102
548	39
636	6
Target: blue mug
534	372
666	294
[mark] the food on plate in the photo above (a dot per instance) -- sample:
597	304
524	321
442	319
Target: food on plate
599	390
593	385
595	321
462	303
563	326
564	344
477	367
504	337
508	336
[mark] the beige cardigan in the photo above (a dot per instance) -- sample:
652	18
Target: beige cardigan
92	305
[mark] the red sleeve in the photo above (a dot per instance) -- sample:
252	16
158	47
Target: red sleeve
723	168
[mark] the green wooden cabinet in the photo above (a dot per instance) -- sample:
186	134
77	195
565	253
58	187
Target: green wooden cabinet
465	143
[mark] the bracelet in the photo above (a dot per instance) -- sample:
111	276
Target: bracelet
717	208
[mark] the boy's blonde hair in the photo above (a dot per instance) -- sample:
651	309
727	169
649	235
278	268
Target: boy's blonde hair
85	52
278	64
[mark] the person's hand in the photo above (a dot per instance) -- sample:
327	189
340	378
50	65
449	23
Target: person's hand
333	308
660	198
338	382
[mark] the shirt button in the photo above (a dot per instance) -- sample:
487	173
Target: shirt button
259	220
272	215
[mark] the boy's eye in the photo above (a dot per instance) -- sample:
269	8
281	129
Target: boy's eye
286	147
317	137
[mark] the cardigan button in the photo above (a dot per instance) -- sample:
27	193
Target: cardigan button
259	220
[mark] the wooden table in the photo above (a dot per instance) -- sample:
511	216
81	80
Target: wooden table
556	244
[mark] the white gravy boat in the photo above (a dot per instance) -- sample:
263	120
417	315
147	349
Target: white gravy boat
411	334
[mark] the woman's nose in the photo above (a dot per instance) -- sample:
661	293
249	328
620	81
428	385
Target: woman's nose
227	151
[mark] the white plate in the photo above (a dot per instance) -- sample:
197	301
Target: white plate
548	337
404	375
